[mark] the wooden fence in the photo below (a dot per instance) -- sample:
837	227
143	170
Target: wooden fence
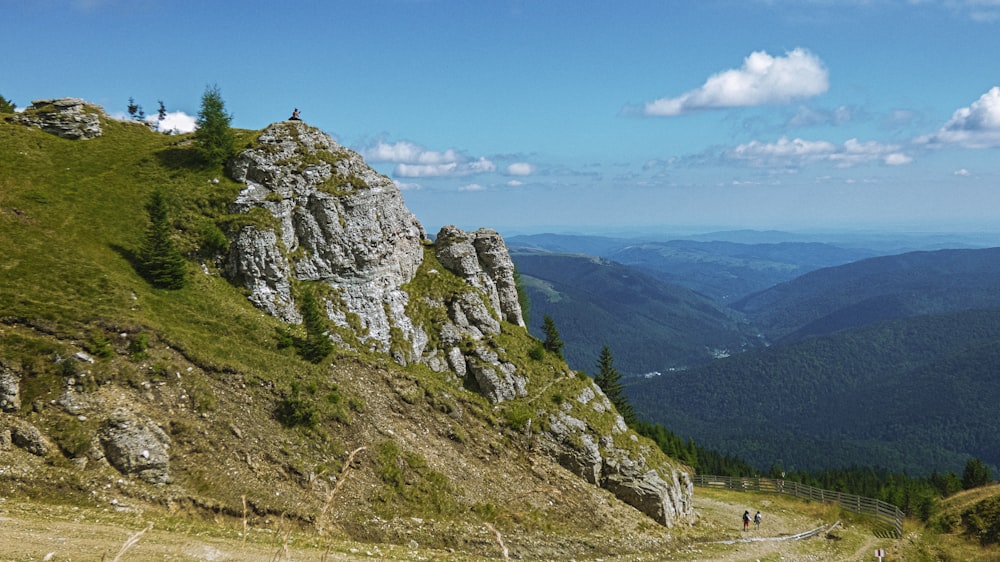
883	512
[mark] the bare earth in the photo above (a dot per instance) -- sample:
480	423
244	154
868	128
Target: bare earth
52	533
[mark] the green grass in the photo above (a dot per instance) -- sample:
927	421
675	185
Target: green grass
75	211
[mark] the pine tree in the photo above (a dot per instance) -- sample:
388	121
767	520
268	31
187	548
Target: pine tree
214	137
6	106
976	474
552	342
135	110
317	345
161	262
609	380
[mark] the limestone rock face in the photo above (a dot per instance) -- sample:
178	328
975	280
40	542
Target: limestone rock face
335	221
69	118
658	488
482	259
136	447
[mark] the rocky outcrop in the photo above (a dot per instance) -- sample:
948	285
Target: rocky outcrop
636	474
482	259
29	438
335	221
136	447
317	213
69	118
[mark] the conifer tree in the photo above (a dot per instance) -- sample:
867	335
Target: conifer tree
135	110
976	474
609	380
215	139
317	345
6	106
161	262
552	343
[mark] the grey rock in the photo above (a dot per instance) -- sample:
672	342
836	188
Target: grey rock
482	259
498	380
136	447
665	500
663	492
29	438
69	118
10	389
339	223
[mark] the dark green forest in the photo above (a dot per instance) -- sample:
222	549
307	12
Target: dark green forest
915	395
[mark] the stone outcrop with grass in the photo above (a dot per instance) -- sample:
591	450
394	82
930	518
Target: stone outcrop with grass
333	220
69	118
435	414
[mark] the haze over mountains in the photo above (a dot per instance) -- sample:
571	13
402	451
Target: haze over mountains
838	353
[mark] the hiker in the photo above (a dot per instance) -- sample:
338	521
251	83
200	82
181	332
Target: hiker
746	520
295	115
756	520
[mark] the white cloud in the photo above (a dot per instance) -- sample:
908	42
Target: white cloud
174	121
472	187
406	186
520	169
976	126
962	172
761	80
798	152
415	161
809	117
515	183
409	153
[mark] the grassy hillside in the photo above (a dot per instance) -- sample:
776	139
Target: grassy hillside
914	395
355	448
649	325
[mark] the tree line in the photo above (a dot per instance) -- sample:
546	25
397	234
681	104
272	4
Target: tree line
917	497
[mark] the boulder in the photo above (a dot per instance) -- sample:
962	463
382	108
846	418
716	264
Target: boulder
29	438
136	447
69	118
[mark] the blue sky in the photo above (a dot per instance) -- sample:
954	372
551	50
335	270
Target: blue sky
553	115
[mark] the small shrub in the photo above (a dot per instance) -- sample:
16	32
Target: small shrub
295	411
213	240
518	416
99	345
203	398
137	347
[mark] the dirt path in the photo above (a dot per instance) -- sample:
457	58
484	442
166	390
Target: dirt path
723	539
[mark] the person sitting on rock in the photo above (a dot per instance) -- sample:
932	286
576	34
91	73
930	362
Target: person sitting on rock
295	115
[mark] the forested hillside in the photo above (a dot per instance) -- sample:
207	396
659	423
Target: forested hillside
915	394
875	290
652	325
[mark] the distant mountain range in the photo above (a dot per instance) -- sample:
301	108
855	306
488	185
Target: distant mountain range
874	290
649	325
887	360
